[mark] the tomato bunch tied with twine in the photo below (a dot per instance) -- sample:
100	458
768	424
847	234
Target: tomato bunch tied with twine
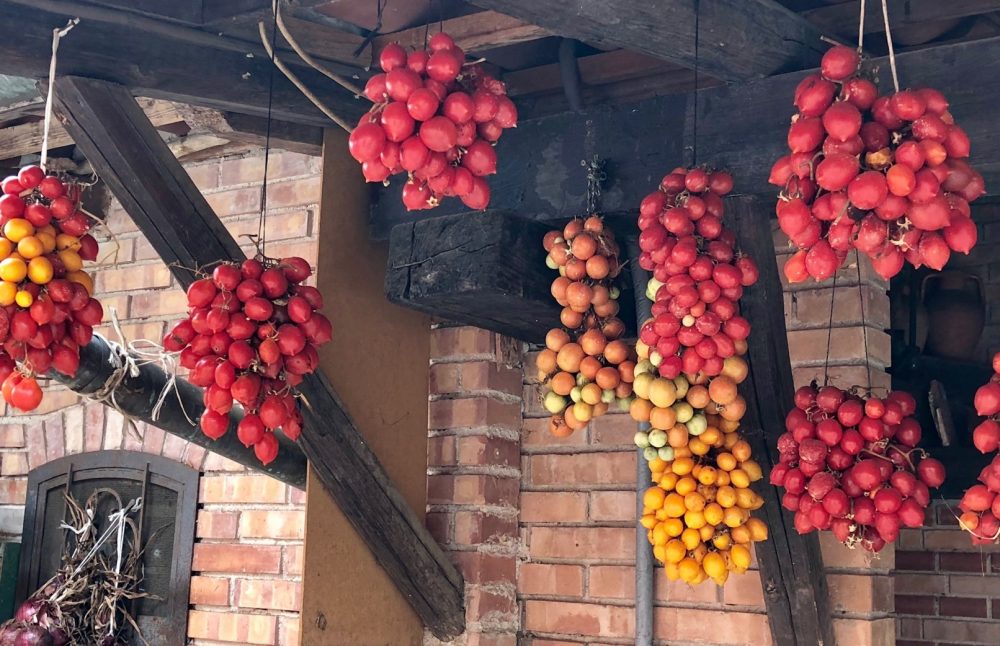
47	311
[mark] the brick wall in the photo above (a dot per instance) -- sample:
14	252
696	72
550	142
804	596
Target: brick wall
947	590
246	583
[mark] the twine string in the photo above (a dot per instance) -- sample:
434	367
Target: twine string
829	333
888	42
861	27
57	35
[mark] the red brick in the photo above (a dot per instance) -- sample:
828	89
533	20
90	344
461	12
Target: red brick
452	343
487	375
232	627
93	423
291	561
152	439
921	584
441	451
444	378
242	200
480	450
133	277
282	525
209	591
712	626
173	447
611	581
960	562
472	412
614	430
238	489
439	525
585	469
118	221
13	491
161	302
976	632
535	436
472	490
14	464
973	585
490	603
915	605
217	524
484	567
962	606
864	632
579	618
228	557
806	346
613	506
550	579
215	462
860	593
299	192
475	527
837	555
582	542
36	444
811	308
744	590
55	440
666	590
553	507
918	561
269	594
205	176
283	226
841	375
194	456
11	436
492	639
288	630
953	540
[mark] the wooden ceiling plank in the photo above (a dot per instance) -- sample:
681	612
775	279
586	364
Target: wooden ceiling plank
162	61
843	18
597	69
740	39
474	33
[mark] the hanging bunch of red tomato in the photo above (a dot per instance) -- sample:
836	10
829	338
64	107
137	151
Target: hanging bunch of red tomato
849	464
436	119
46	308
980	504
251	334
886	175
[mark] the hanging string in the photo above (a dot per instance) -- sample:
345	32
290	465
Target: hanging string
829	333
380	6
861	27
697	38
57	35
864	324
888	41
261	221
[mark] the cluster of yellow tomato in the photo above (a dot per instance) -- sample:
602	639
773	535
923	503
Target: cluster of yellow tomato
28	253
698	512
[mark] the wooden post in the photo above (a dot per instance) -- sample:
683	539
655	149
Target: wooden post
126	151
791	566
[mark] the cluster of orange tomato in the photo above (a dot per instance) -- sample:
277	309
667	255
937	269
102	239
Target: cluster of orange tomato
585	366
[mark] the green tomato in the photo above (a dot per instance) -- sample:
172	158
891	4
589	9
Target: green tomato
550	263
665	453
644	366
575	394
650	454
625	403
615	293
657	438
697	425
554	403
682	385
684	411
655	358
641	439
581	380
652	287
608	396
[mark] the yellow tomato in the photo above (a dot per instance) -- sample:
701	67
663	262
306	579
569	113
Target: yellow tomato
71	260
7	293
30	247
740	556
13	270
16	229
24	298
6	247
40	270
48	240
66	241
84	279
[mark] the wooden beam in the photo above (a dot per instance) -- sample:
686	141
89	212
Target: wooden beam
597	69
486	270
791	566
246	129
842	19
136	395
26	138
473	33
742	128
183	11
155	190
165	61
740	39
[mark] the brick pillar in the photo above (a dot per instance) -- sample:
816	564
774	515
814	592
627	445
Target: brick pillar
861	588
474	472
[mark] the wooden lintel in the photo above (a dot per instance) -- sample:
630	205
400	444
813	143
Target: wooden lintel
791	566
842	19
154	189
473	33
596	69
742	128
164	60
741	39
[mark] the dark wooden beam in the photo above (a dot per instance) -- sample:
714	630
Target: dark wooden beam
137	395
597	69
742	128
184	11
161	60
474	33
154	189
791	566
480	269
842	18
739	39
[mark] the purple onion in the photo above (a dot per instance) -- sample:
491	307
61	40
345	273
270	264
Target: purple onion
59	636
27	610
33	635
